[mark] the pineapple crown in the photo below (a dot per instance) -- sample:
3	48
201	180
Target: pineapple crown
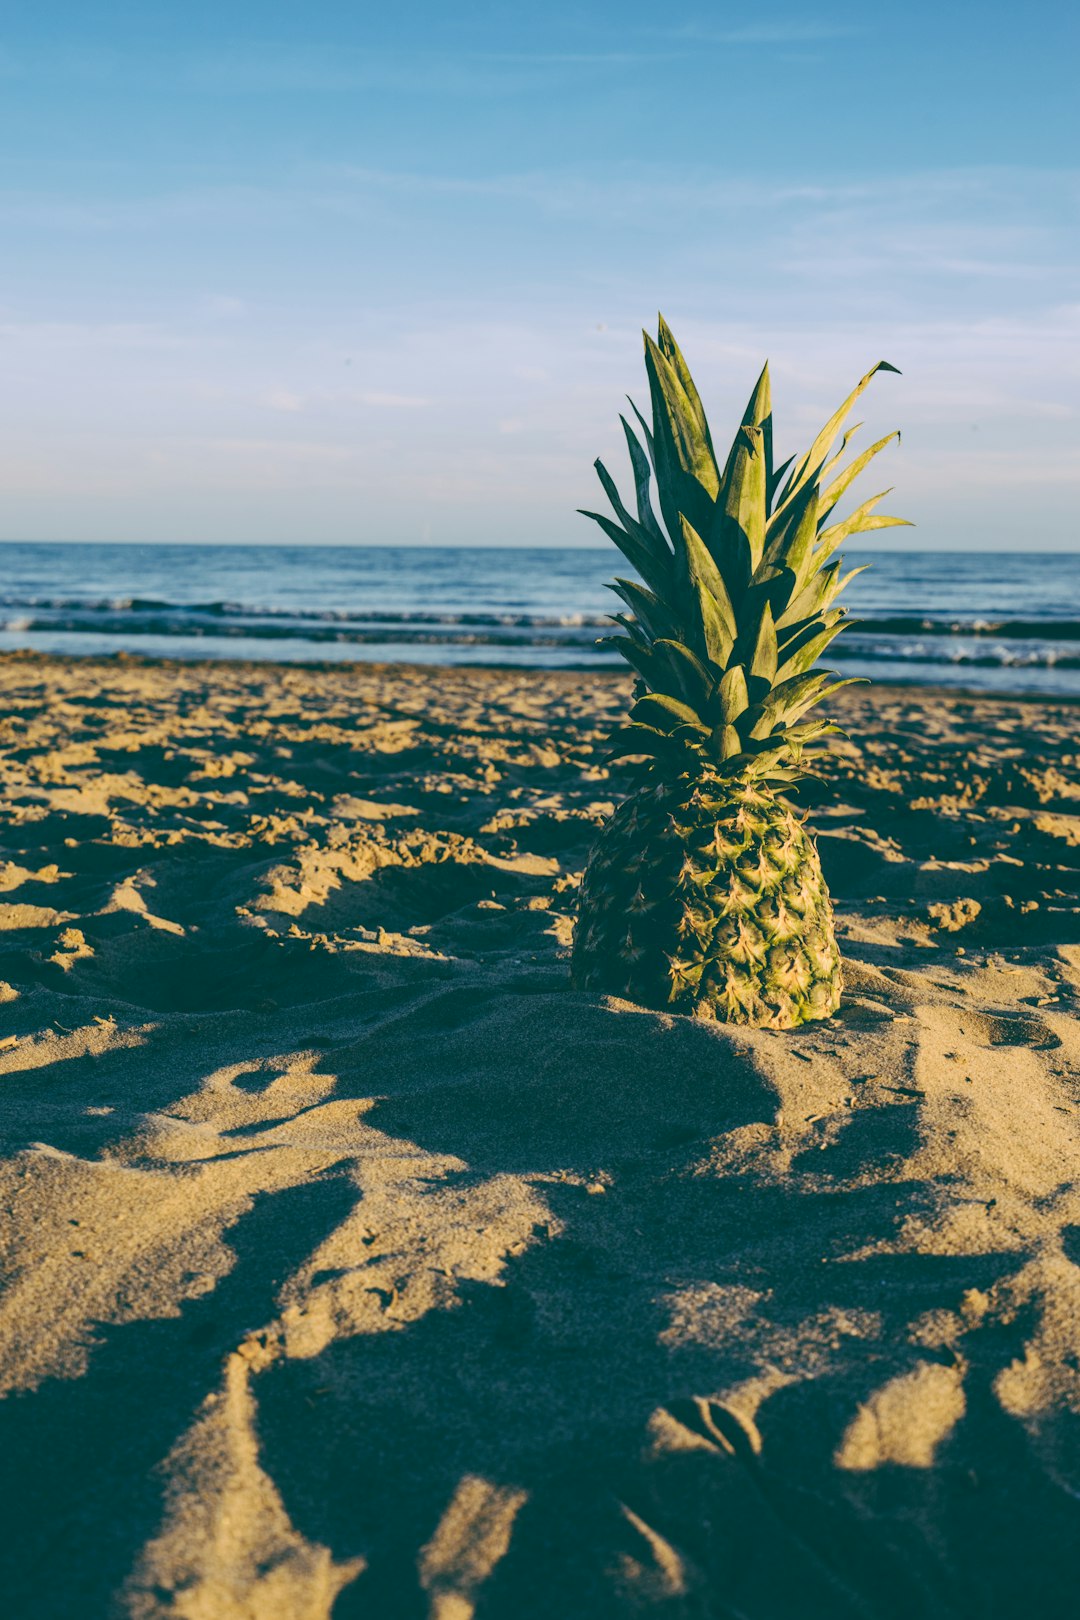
735	600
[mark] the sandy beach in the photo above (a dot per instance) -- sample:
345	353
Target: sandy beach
355	1265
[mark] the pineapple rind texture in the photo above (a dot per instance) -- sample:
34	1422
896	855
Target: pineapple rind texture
707	897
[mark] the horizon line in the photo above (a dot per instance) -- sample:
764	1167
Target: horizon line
539	545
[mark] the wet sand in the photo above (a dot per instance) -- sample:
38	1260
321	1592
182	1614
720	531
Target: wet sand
353	1263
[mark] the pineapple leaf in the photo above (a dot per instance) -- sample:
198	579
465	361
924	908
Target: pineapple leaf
641	659
774	711
800	655
814	601
688	674
650	540
665	713
791	699
686	473
759	411
730	743
861	521
775	589
647	608
642	484
743	495
810	731
636	738
729	546
677	420
819	591
792	532
633	630
804	627
776	480
849	576
673	354
844	480
761	664
717	641
838	455
715	615
637	555
646	431
733	695
810	464
764	757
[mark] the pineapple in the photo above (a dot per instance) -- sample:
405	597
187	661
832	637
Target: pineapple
704	891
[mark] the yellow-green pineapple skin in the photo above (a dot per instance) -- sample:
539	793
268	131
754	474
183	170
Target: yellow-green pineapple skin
707	896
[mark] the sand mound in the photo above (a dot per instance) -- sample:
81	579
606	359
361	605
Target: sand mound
353	1264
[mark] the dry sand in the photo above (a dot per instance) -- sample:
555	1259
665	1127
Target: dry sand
354	1264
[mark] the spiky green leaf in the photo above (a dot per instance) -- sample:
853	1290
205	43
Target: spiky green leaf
685	675
733	696
646	607
635	738
665	713
642	484
678	423
639	556
673	354
843	481
804	653
861	521
761	662
743	494
809	465
714	619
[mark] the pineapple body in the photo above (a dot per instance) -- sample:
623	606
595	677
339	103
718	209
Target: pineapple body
706	895
704	892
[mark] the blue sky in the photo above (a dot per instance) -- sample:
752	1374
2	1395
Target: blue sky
377	274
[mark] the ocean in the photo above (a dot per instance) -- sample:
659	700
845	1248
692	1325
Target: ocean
989	621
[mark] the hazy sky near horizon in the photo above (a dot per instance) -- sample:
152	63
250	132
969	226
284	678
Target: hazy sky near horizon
363	273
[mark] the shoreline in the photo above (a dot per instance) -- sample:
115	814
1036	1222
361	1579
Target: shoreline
581	674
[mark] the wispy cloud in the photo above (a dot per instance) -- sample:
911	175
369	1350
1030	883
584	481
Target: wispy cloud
291	401
273	70
991	224
265	69
224	307
65	336
780	31
269	69
283	399
393	402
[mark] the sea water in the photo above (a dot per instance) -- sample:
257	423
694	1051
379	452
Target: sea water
991	621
